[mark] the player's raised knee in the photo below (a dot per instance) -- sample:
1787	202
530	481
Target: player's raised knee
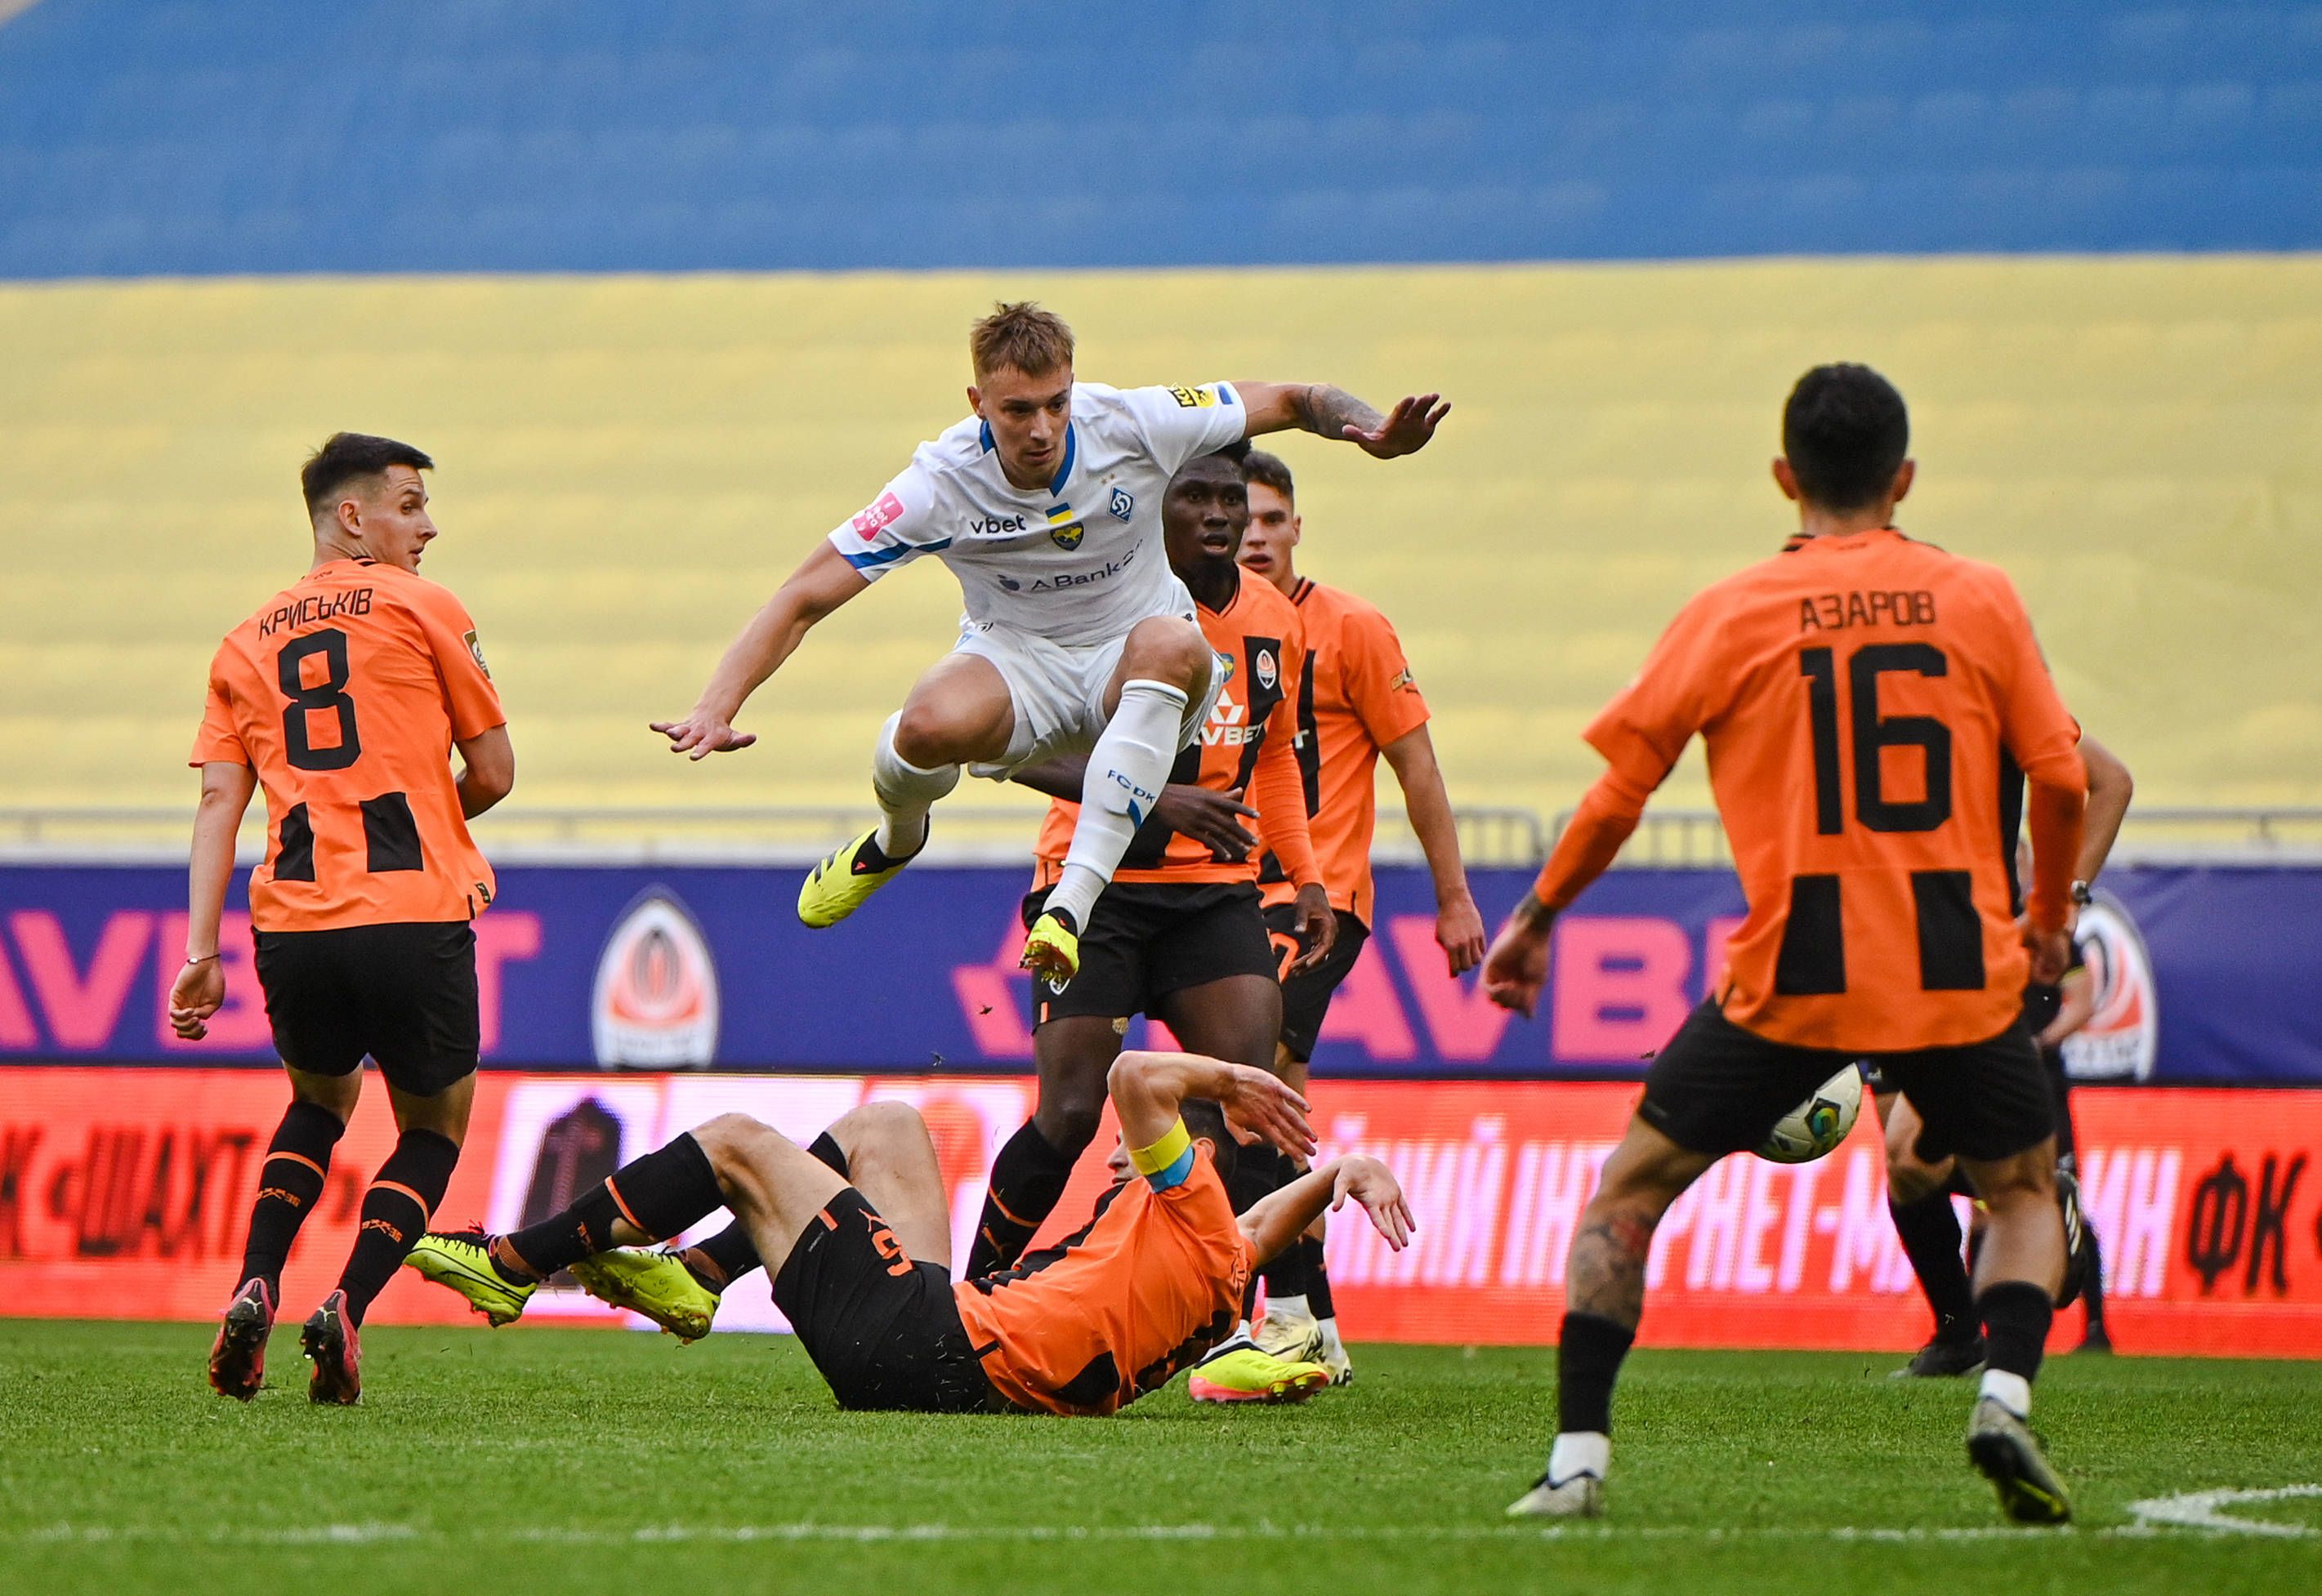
872	1128
1167	648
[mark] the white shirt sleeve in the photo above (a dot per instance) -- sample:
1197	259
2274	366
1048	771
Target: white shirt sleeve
1181	423
893	529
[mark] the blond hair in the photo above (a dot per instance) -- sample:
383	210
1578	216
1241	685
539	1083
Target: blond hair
1033	341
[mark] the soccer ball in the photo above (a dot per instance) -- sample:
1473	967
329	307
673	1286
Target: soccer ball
1817	1125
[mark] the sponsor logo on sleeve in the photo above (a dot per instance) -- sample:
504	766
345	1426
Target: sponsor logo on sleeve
1195	398
1403	680
477	648
879	515
2122	1036
656	1002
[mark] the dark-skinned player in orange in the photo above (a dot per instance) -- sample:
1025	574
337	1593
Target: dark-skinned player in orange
1861	695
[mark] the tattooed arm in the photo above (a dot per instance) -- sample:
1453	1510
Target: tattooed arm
1333	413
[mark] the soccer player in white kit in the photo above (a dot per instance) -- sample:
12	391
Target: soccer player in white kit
1045	503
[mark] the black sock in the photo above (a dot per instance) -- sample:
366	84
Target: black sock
661	1194
724	1258
2015	1317
1317	1280
289	1182
1259	1171
1930	1232
2092	1287
394	1210
1286	1275
1589	1352
1027	1178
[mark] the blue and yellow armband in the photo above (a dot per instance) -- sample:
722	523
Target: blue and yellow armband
1169	1161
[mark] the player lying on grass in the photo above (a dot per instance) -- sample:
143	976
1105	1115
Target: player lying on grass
862	1232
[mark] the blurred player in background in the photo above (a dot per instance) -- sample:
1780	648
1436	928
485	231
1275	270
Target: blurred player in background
1919	1193
343	697
1860	693
860	1226
1181	935
1357	701
1045	503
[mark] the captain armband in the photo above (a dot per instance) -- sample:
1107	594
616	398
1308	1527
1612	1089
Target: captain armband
1168	1161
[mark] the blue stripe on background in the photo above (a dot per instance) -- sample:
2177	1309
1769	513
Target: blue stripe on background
590	136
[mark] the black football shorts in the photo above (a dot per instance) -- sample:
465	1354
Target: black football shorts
404	994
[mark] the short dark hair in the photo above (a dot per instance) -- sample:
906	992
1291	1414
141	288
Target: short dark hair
1845	432
346	456
1203	1117
1268	470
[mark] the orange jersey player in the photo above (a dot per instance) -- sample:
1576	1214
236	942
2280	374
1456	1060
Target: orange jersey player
343	697
856	1233
1181	934
1357	701
1866	700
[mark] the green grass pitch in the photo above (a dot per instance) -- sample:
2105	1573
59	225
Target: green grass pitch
593	1461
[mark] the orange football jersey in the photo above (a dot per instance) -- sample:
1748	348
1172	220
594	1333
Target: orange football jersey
346	693
1090	1326
1866	700
1246	747
1356	696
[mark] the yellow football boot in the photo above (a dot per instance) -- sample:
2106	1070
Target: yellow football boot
1052	951
464	1263
1246	1375
844	882
655	1283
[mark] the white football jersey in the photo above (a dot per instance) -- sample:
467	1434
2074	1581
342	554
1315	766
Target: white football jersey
1077	561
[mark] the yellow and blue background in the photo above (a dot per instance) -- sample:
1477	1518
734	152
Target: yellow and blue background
670	291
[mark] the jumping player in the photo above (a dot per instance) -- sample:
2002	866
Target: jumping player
343	697
1045	503
858	1225
1181	934
1858	693
1357	701
1919	1192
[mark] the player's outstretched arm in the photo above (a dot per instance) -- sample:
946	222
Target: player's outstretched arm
1333	413
200	987
1149	1089
823	582
1211	818
1280	1218
1458	927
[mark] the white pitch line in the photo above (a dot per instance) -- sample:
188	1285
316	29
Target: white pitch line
2200	1509
921	1534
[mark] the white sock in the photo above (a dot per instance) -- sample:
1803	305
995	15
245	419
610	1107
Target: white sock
1331	1344
905	793
1126	772
2011	1392
1580	1451
1288	1307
